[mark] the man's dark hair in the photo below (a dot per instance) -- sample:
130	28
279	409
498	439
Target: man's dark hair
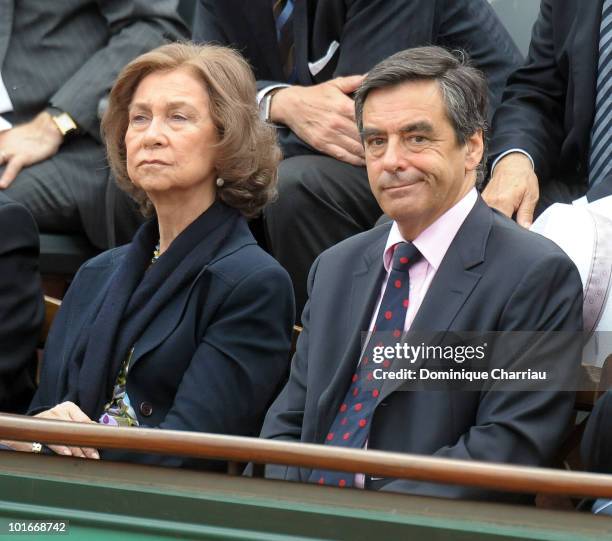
463	87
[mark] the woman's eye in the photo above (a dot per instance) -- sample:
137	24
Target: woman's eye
179	117
138	119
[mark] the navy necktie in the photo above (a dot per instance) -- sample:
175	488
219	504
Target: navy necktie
600	156
283	18
351	425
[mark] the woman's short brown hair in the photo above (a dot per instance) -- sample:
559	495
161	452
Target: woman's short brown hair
247	155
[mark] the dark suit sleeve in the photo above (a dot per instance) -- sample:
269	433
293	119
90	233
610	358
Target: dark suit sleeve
524	427
473	26
207	26
376	29
532	111
596	446
21	305
238	367
135	27
284	418
213	25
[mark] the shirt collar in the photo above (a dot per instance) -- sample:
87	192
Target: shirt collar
434	241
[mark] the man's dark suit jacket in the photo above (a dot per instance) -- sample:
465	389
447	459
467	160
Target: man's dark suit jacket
495	276
211	361
21	305
368	31
549	104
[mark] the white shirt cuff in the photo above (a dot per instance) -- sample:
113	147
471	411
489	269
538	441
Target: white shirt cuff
503	154
261	94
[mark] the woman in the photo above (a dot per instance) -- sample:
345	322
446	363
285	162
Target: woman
188	327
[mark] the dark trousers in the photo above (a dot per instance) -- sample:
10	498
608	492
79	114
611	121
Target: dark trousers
321	202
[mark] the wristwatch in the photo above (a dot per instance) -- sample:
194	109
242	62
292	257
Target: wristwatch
64	122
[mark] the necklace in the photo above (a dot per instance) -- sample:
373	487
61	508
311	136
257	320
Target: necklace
156	254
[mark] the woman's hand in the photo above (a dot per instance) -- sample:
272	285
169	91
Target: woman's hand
66	411
69	411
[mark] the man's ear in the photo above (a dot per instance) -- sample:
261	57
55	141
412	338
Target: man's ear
475	150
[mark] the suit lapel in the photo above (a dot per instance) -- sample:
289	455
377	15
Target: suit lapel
585	56
6	23
453	283
365	290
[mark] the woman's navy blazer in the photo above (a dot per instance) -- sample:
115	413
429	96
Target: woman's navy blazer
213	358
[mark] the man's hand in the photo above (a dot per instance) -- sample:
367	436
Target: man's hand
69	411
323	116
514	188
27	144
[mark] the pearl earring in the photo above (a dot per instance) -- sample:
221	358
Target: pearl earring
220	182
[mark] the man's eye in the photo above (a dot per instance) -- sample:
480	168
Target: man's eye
178	116
418	139
376	142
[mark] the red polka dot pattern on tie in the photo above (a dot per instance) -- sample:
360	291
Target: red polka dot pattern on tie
363	394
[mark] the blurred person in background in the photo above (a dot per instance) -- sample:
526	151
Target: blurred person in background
58	60
21	306
552	135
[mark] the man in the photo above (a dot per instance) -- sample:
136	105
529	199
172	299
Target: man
322	48
58	60
422	116
552	137
21	306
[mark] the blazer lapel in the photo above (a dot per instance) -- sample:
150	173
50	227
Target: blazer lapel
453	283
585	56
168	319
365	289
163	325
6	24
